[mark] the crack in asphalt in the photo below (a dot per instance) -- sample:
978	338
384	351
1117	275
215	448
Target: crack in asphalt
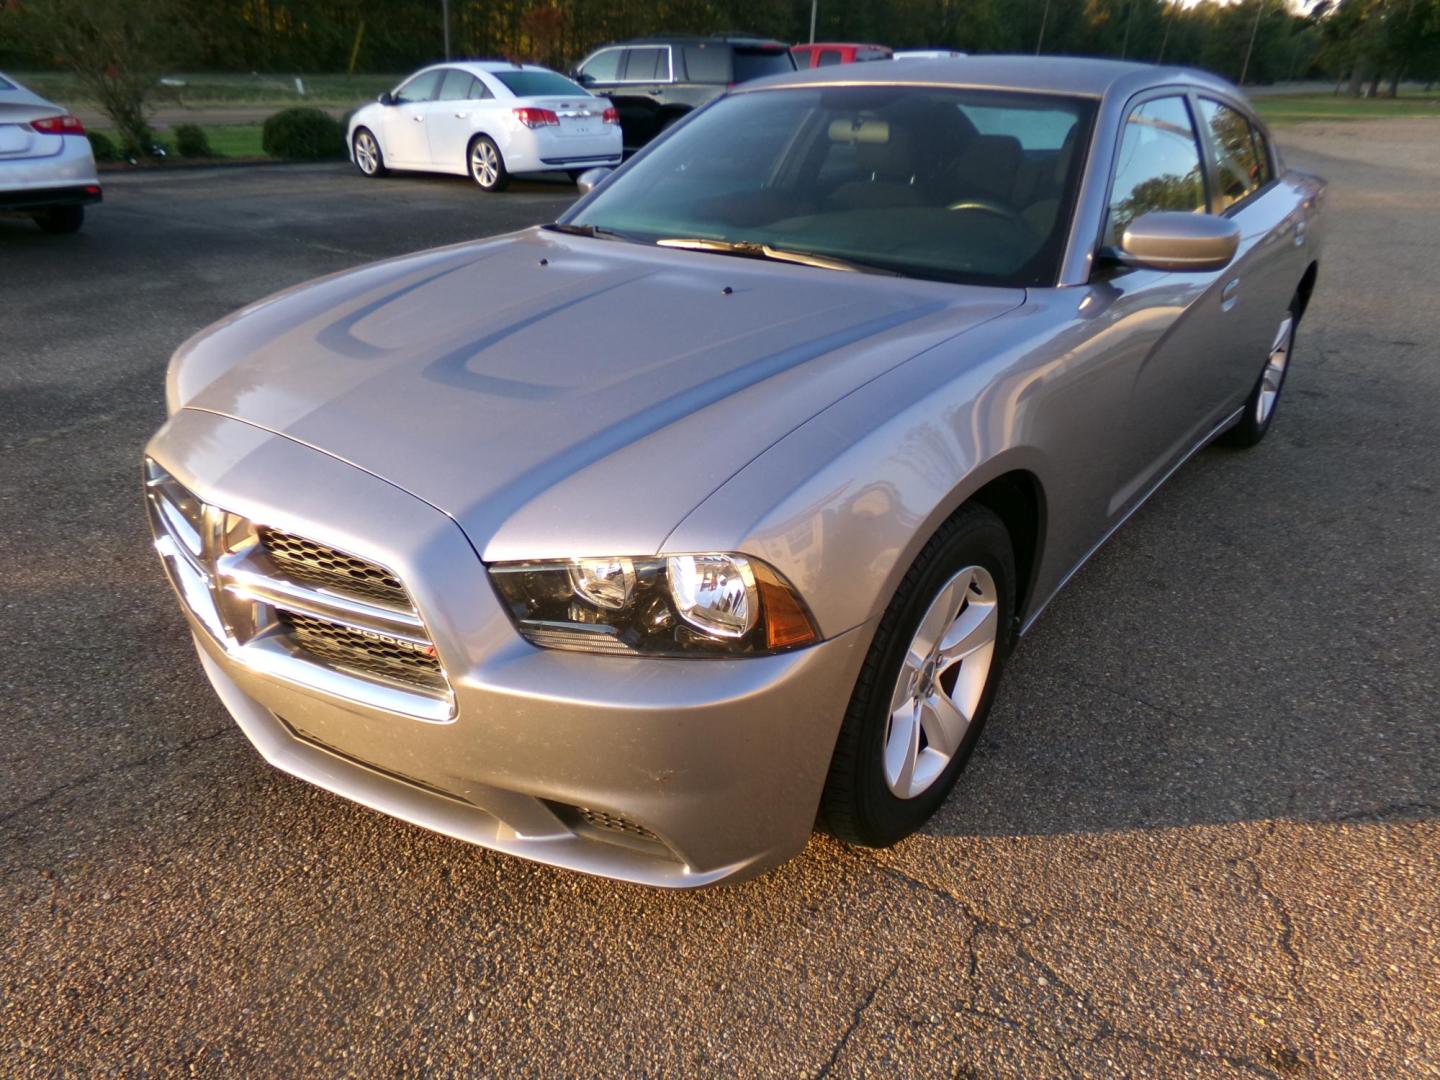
1104	1028
855	1019
120	766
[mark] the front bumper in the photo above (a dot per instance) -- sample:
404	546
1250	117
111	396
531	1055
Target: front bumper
677	773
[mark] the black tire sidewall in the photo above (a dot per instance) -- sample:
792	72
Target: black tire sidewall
1248	431
61	220
878	817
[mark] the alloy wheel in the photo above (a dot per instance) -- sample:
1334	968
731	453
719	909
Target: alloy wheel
484	163
367	153
1273	376
941	683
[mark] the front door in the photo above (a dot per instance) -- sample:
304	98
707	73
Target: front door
405	141
1175	321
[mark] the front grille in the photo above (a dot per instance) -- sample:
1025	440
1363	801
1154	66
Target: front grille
298	608
369	651
600	819
329	568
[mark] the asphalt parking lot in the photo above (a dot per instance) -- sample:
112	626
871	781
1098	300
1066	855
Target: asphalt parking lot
1200	836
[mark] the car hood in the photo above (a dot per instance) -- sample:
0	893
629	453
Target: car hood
561	395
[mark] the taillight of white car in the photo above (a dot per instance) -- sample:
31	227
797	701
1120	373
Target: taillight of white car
69	124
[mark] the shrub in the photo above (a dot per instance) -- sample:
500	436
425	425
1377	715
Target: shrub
102	146
192	142
303	134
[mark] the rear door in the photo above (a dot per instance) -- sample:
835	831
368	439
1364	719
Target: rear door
453	117
405	141
647	72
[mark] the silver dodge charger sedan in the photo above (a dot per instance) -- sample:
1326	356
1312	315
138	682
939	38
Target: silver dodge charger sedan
639	542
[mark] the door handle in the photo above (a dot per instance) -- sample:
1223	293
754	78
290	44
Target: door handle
462	116
1230	294
418	118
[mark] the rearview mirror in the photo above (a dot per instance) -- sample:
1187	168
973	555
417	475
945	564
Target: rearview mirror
587	180
385	98
1175	240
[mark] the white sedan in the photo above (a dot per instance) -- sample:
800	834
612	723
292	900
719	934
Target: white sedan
47	170
487	120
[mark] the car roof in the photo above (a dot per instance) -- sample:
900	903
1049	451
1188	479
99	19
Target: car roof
694	39
839	45
1043	74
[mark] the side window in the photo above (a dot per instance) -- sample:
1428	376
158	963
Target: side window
603	67
646	65
828	57
420	88
1239	172
455	86
1158	166
478	91
1262	154
707	64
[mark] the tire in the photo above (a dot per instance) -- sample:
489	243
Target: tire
867	799
486	164
61	219
1264	399
369	158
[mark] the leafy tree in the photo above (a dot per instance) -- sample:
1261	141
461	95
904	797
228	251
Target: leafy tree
117	50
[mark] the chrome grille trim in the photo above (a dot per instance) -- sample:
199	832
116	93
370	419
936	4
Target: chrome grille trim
326	634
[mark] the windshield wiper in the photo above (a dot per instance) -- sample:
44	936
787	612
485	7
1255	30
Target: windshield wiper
749	249
590	230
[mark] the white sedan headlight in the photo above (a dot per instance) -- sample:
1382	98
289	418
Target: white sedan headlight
682	605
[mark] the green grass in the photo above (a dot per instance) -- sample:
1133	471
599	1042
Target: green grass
222	89
227	140
1297	109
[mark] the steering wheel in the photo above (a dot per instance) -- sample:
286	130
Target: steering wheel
987	206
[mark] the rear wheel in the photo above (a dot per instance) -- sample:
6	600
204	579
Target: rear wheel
61	219
925	688
487	166
1265	398
368	157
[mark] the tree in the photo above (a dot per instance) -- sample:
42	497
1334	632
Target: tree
117	50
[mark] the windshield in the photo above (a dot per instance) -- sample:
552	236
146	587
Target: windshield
538	84
955	185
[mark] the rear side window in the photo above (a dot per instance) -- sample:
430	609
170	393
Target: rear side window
828	57
1158	167
757	63
455	86
646	65
536	83
707	64
603	66
479	91
5	85
420	88
1242	164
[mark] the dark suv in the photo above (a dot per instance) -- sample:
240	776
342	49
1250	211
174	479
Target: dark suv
654	81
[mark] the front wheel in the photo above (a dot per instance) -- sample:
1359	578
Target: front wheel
61	219
926	685
487	166
368	157
1260	406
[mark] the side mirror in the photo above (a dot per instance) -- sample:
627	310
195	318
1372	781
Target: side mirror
583	79
1174	240
386	98
587	180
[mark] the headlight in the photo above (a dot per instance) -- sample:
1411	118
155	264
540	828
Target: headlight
681	605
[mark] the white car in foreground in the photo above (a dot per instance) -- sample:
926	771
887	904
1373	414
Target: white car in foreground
47	171
487	120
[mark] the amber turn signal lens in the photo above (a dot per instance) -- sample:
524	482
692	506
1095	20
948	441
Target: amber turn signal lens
787	623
